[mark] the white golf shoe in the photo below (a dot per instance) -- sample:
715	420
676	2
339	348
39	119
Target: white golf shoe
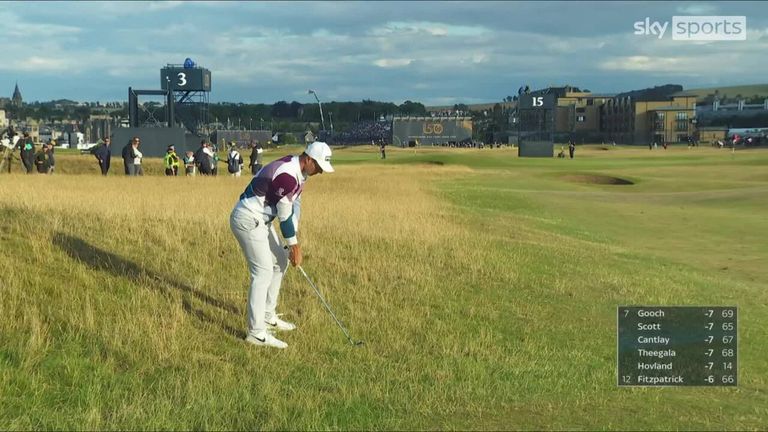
266	339
275	323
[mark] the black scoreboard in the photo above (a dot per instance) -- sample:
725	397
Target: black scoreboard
677	346
529	101
536	125
181	78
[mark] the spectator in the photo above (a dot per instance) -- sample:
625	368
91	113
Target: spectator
207	159
171	161
214	160
129	156
9	133
234	161
198	156
42	161
137	170
104	155
571	148
204	158
9	141
51	159
189	163
27	153
256	157
383	150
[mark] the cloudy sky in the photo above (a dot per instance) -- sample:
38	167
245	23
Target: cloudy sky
433	52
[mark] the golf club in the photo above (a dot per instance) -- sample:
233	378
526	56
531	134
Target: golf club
317	291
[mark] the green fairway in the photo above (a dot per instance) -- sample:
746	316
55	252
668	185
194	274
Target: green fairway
484	285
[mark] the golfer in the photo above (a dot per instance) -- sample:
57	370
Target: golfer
273	193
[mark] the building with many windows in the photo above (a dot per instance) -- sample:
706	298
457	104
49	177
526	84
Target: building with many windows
637	117
627	120
577	115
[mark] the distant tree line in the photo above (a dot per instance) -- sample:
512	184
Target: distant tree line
253	114
280	116
338	112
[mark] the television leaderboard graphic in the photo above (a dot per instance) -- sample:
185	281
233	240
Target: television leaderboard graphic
677	346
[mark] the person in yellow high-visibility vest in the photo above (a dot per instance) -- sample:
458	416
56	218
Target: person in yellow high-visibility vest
171	160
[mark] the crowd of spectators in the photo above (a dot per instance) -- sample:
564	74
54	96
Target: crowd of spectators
471	144
32	158
363	132
737	140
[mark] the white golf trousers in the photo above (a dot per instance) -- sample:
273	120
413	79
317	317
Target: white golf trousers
267	261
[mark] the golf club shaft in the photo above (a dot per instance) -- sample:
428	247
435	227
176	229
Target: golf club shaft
325	303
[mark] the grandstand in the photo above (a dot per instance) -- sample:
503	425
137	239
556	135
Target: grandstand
413	131
405	131
363	132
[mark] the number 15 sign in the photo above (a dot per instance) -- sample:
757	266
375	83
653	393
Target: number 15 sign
530	101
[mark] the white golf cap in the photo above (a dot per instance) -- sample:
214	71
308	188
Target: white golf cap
321	153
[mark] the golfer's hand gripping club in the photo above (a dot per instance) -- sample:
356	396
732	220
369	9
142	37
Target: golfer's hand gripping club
294	255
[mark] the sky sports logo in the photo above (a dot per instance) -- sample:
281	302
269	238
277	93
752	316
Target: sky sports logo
696	28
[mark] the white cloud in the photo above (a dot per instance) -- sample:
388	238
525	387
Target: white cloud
698	9
427	28
480	58
641	63
164	5
680	66
15	28
119	9
38	64
392	63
